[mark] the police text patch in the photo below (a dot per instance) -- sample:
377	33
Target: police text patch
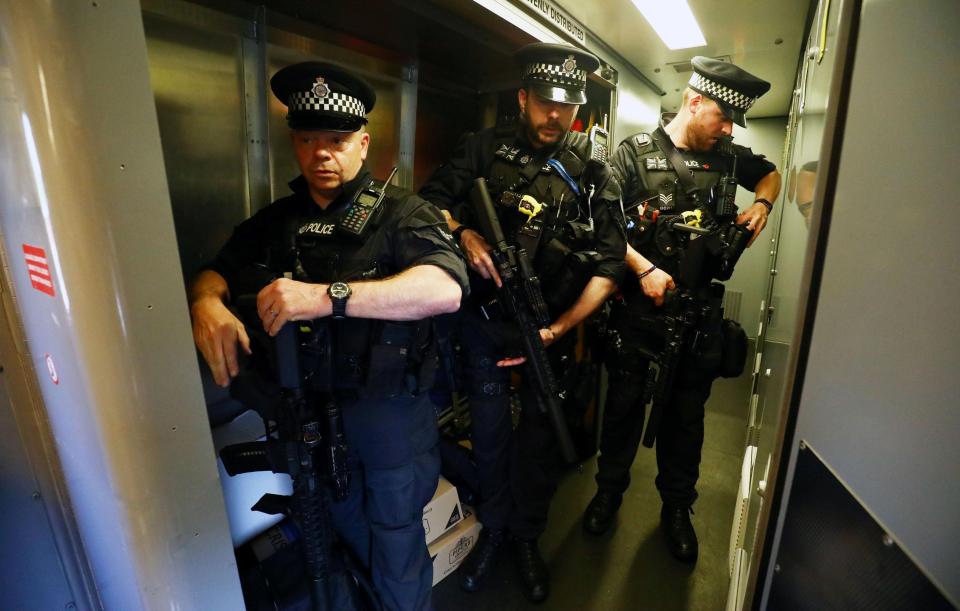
317	228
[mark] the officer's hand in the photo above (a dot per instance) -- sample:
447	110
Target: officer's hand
284	299
655	284
546	335
756	219
216	332
478	255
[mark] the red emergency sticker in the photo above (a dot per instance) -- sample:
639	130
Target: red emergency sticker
38	269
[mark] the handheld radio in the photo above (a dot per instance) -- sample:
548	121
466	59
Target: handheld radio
599	143
362	210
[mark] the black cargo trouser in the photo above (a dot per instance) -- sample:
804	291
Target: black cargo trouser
679	439
394	467
491	428
537	460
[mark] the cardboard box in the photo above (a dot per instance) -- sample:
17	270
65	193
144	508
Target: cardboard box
448	551
443	512
241	492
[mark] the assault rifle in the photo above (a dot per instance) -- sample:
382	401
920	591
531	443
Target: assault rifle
521	299
303	441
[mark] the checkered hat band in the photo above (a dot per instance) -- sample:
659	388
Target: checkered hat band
332	102
721	92
555	74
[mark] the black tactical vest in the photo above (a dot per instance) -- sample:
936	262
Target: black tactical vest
517	170
373	358
662	189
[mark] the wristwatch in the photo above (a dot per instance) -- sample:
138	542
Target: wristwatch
339	293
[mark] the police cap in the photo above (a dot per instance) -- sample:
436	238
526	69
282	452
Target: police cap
732	88
323	96
557	72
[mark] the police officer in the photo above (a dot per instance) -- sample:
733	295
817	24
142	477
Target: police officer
718	95
578	257
379	287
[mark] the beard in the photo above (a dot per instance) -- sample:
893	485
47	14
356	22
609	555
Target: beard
538	138
698	140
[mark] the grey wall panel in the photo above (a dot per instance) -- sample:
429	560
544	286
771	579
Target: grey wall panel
197	82
880	393
83	178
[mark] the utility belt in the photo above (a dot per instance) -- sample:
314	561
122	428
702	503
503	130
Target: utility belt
371	359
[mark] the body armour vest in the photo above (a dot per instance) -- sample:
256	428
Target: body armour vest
658	187
374	358
658	182
563	252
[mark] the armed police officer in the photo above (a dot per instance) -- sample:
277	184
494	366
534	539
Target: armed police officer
543	170
684	231
376	273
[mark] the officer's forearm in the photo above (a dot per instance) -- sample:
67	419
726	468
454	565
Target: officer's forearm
636	262
593	295
208	285
768	187
418	292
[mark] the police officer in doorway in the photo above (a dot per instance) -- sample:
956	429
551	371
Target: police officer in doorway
579	259
379	283
676	170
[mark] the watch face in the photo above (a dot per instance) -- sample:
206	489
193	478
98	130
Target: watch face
339	290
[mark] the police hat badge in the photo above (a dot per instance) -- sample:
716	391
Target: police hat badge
320	89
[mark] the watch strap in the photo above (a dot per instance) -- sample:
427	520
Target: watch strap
339	304
456	233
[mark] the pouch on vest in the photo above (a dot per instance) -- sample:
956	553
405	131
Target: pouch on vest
388	363
734	349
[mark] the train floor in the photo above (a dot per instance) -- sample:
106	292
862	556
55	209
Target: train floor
629	567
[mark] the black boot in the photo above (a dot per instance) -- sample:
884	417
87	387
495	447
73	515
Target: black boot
600	512
681	538
533	571
481	559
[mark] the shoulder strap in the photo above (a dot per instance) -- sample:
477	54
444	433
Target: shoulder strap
533	167
684	174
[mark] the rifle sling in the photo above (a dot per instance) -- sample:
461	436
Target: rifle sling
684	175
